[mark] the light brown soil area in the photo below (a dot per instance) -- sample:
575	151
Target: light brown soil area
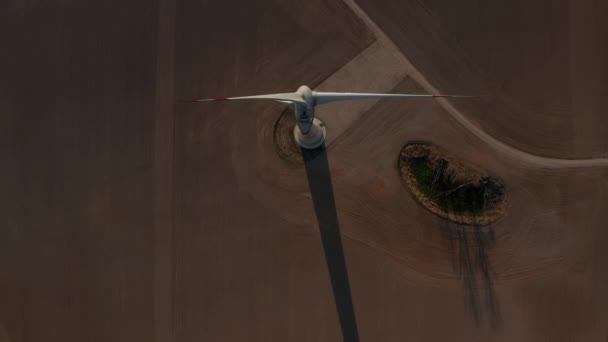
245	269
543	65
127	219
550	237
77	245
101	240
457	170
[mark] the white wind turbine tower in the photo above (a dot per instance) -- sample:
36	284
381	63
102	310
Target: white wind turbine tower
309	132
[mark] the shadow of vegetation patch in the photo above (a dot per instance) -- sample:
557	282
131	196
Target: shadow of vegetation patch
448	188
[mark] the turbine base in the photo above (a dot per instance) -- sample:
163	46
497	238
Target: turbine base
315	137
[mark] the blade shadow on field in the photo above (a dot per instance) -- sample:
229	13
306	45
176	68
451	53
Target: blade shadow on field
319	181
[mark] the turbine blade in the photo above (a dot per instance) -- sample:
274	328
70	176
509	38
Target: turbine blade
286	97
325	97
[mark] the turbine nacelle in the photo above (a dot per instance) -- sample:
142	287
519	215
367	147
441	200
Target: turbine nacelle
305	112
307	95
304	117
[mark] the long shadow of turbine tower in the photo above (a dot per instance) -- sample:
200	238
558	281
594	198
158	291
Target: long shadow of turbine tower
319	181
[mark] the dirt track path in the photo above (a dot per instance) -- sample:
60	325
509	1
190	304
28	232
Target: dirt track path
509	151
378	68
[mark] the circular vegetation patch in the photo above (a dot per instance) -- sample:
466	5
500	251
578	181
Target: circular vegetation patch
448	188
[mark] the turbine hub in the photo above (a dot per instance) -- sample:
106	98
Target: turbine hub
306	93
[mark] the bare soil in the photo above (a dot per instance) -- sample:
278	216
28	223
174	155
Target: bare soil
128	216
105	235
284	143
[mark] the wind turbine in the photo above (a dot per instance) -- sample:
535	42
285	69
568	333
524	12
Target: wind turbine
309	132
